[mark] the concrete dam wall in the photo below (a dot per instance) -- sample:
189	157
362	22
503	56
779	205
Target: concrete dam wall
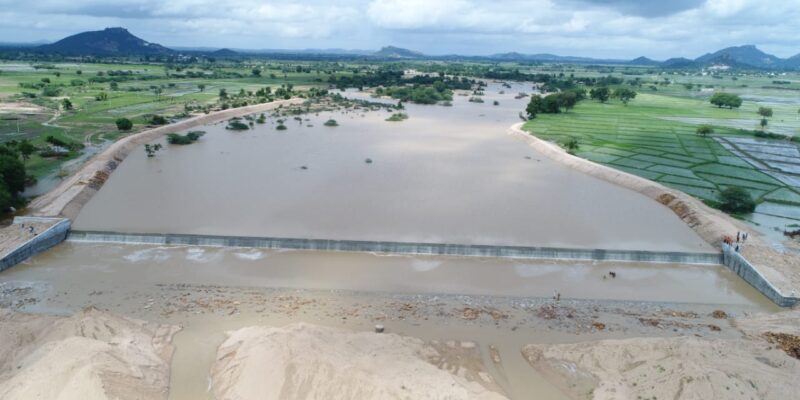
50	237
522	252
739	265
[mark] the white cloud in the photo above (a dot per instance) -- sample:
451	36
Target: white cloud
605	28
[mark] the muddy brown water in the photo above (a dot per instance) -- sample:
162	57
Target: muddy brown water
447	174
153	283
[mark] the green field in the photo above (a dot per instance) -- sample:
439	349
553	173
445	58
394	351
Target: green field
648	139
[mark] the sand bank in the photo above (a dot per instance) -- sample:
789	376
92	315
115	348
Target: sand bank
90	355
67	199
710	224
752	367
303	361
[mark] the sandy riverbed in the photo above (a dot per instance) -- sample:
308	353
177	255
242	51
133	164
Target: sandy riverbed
762	364
661	352
303	361
91	355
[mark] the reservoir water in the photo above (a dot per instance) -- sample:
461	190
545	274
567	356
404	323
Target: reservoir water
446	174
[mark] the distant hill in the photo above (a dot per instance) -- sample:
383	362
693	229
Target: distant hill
792	62
679	62
543	57
747	55
643	61
109	41
224	53
397	52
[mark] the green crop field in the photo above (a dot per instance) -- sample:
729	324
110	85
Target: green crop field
653	137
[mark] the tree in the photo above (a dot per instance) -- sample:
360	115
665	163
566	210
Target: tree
158	120
66	104
705	130
763	123
568	100
722	99
600	94
124	124
551	104
256	71
113	85
202	87
534	105
26	149
736	200
765	112
12	171
624	95
223	94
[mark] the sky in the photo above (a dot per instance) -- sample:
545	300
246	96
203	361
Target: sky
657	29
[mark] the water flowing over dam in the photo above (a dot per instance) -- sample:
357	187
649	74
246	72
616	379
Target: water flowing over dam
442	249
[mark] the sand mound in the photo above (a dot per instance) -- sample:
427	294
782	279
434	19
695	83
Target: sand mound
304	361
675	368
90	355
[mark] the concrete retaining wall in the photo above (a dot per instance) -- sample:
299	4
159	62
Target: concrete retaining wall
398	247
738	264
37	244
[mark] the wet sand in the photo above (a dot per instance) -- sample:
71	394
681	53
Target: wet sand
447	174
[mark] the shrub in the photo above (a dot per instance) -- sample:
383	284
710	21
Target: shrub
736	200
237	125
705	130
158	120
570	144
189	138
124	124
51	91
331	122
397	117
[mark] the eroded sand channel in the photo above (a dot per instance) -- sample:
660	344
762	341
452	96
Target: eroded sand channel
446	175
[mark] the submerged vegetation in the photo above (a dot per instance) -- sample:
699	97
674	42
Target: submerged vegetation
188	138
396	117
236	124
152	149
